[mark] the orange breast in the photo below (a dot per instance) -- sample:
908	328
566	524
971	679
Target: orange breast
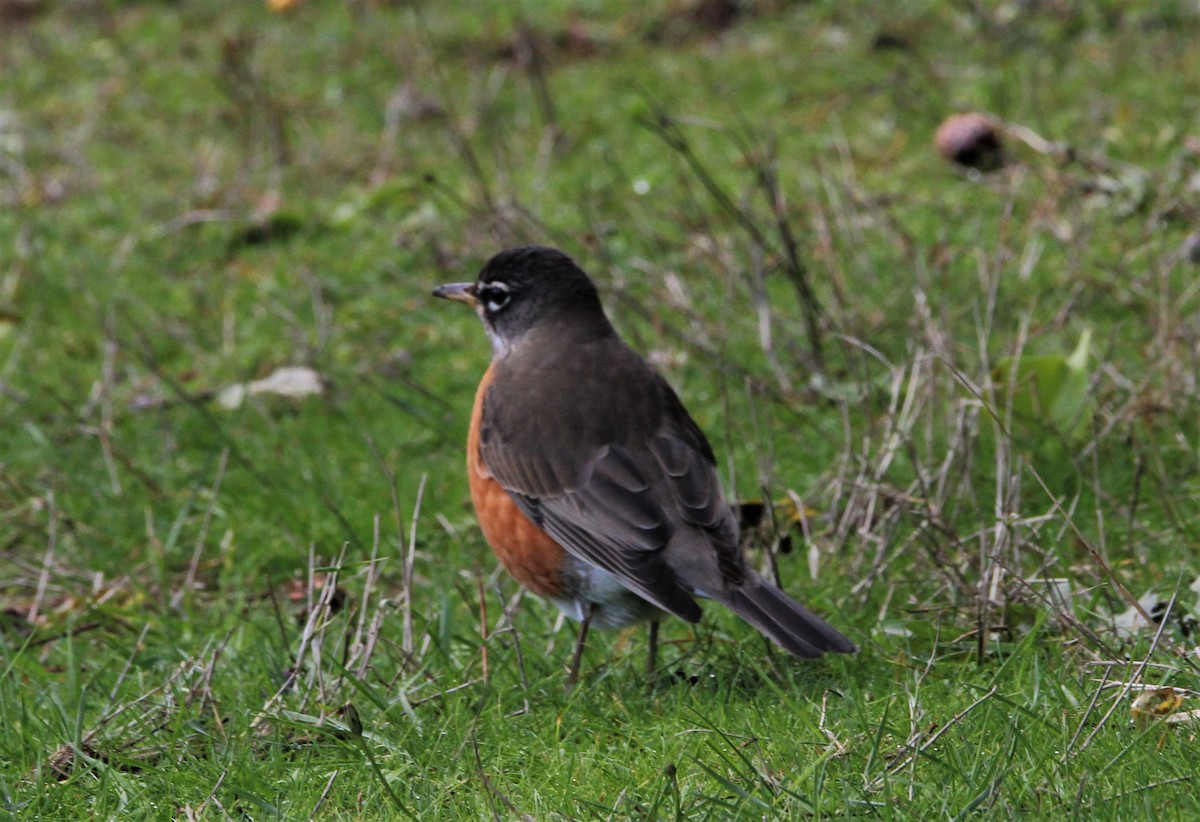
530	555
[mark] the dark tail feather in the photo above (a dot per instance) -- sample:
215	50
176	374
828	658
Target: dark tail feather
793	627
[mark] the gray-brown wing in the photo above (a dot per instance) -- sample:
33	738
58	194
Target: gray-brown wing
618	488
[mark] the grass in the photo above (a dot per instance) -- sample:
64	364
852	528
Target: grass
284	610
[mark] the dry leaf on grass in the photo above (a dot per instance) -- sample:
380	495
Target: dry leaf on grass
292	381
1159	703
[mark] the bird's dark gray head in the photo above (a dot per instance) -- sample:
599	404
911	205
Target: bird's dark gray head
521	288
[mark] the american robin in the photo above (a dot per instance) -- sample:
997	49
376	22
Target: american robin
591	482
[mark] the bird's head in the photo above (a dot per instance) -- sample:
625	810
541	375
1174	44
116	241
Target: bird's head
522	289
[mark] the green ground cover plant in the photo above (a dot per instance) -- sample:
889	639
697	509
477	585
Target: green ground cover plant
239	573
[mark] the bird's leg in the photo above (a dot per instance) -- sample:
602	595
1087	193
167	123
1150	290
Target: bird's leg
577	659
652	651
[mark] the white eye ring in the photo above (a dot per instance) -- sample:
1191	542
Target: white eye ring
495	296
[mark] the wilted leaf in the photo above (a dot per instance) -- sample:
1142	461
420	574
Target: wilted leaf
1131	621
1048	390
1159	703
232	396
1189	718
293	381
353	722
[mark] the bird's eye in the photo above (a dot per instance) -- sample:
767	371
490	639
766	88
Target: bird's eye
494	297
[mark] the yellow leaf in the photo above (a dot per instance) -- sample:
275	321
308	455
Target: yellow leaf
1149	706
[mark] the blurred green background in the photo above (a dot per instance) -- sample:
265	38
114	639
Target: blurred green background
194	196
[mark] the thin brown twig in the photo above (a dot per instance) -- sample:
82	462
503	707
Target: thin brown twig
483	629
364	638
409	561
1137	675
666	128
47	559
492	790
917	750
325	793
1055	502
189	581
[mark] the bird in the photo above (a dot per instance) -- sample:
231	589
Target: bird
591	482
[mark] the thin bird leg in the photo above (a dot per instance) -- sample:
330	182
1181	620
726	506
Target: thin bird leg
652	651
577	659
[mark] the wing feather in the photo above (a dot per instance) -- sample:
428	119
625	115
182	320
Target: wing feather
613	475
